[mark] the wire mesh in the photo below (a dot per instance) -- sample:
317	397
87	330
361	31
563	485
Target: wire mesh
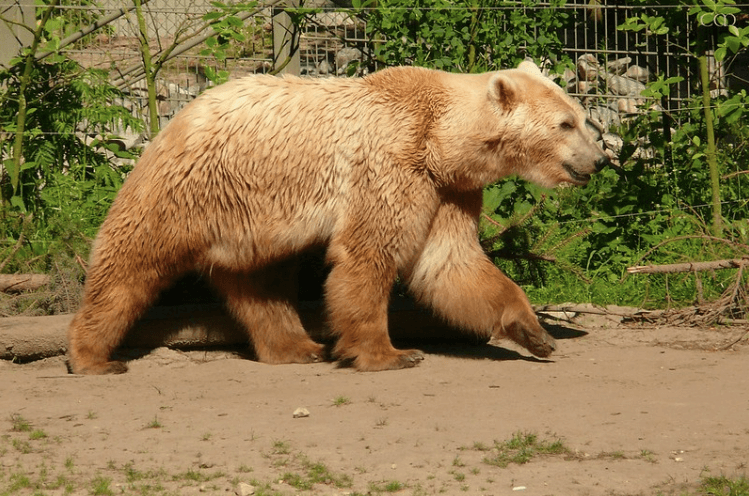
611	65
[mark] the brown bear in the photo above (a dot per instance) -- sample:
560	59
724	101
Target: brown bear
385	171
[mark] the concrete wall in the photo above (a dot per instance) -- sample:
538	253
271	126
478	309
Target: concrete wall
21	11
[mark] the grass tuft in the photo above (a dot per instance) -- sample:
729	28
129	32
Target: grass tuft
521	448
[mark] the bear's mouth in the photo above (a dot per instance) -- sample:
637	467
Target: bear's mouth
576	177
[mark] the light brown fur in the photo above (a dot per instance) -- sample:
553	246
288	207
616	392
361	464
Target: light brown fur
385	171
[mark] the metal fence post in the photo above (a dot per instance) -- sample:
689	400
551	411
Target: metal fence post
285	40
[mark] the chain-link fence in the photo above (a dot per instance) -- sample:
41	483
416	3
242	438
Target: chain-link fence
612	65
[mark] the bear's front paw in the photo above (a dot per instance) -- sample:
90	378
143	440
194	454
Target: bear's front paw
531	336
541	345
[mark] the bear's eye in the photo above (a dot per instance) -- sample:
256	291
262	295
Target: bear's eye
567	125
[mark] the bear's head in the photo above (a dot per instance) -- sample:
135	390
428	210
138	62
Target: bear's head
551	140
520	122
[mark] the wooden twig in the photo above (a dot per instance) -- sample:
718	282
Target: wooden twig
81	262
691	236
689	266
725	347
15	283
494	223
13	251
593	310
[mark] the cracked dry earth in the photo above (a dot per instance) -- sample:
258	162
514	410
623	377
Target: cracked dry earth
638	410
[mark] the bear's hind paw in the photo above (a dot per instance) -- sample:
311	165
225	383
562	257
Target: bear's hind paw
101	368
310	352
399	359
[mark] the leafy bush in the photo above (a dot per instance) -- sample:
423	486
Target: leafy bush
574	244
68	175
473	36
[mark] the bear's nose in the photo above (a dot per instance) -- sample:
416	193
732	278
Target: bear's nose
602	162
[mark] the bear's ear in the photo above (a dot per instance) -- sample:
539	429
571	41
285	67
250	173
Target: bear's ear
504	91
529	67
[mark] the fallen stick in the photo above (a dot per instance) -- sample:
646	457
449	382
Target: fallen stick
588	308
688	266
16	283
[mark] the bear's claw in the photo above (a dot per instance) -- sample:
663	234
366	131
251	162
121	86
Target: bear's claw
399	359
541	347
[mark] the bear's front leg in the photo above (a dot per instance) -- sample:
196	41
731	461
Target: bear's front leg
454	276
357	294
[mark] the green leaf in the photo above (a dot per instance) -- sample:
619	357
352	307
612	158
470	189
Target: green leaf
720	53
17	202
212	16
733	44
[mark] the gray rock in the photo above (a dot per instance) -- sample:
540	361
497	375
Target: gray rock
619	66
620	85
638	73
588	67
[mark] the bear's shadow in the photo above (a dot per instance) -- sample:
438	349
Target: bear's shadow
473	349
458	345
410	327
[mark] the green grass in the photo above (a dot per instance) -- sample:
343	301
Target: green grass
100	486
191	475
302	475
522	448
386	487
37	434
19	424
723	486
23	447
154	424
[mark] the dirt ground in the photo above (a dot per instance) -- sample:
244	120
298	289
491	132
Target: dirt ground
638	410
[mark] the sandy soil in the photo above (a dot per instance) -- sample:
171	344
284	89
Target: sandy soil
640	411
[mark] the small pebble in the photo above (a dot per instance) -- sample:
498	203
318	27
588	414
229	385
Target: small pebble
244	489
301	412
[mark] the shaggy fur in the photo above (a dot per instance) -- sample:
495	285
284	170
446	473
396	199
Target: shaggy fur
385	171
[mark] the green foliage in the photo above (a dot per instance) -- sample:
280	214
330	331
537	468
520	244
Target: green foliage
59	172
235	36
476	36
643	210
69	20
65	105
68	177
652	208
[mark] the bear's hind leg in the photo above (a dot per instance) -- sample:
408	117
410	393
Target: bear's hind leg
109	310
263	301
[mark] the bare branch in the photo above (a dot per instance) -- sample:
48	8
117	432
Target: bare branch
688	266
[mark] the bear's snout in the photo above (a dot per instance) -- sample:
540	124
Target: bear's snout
602	162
